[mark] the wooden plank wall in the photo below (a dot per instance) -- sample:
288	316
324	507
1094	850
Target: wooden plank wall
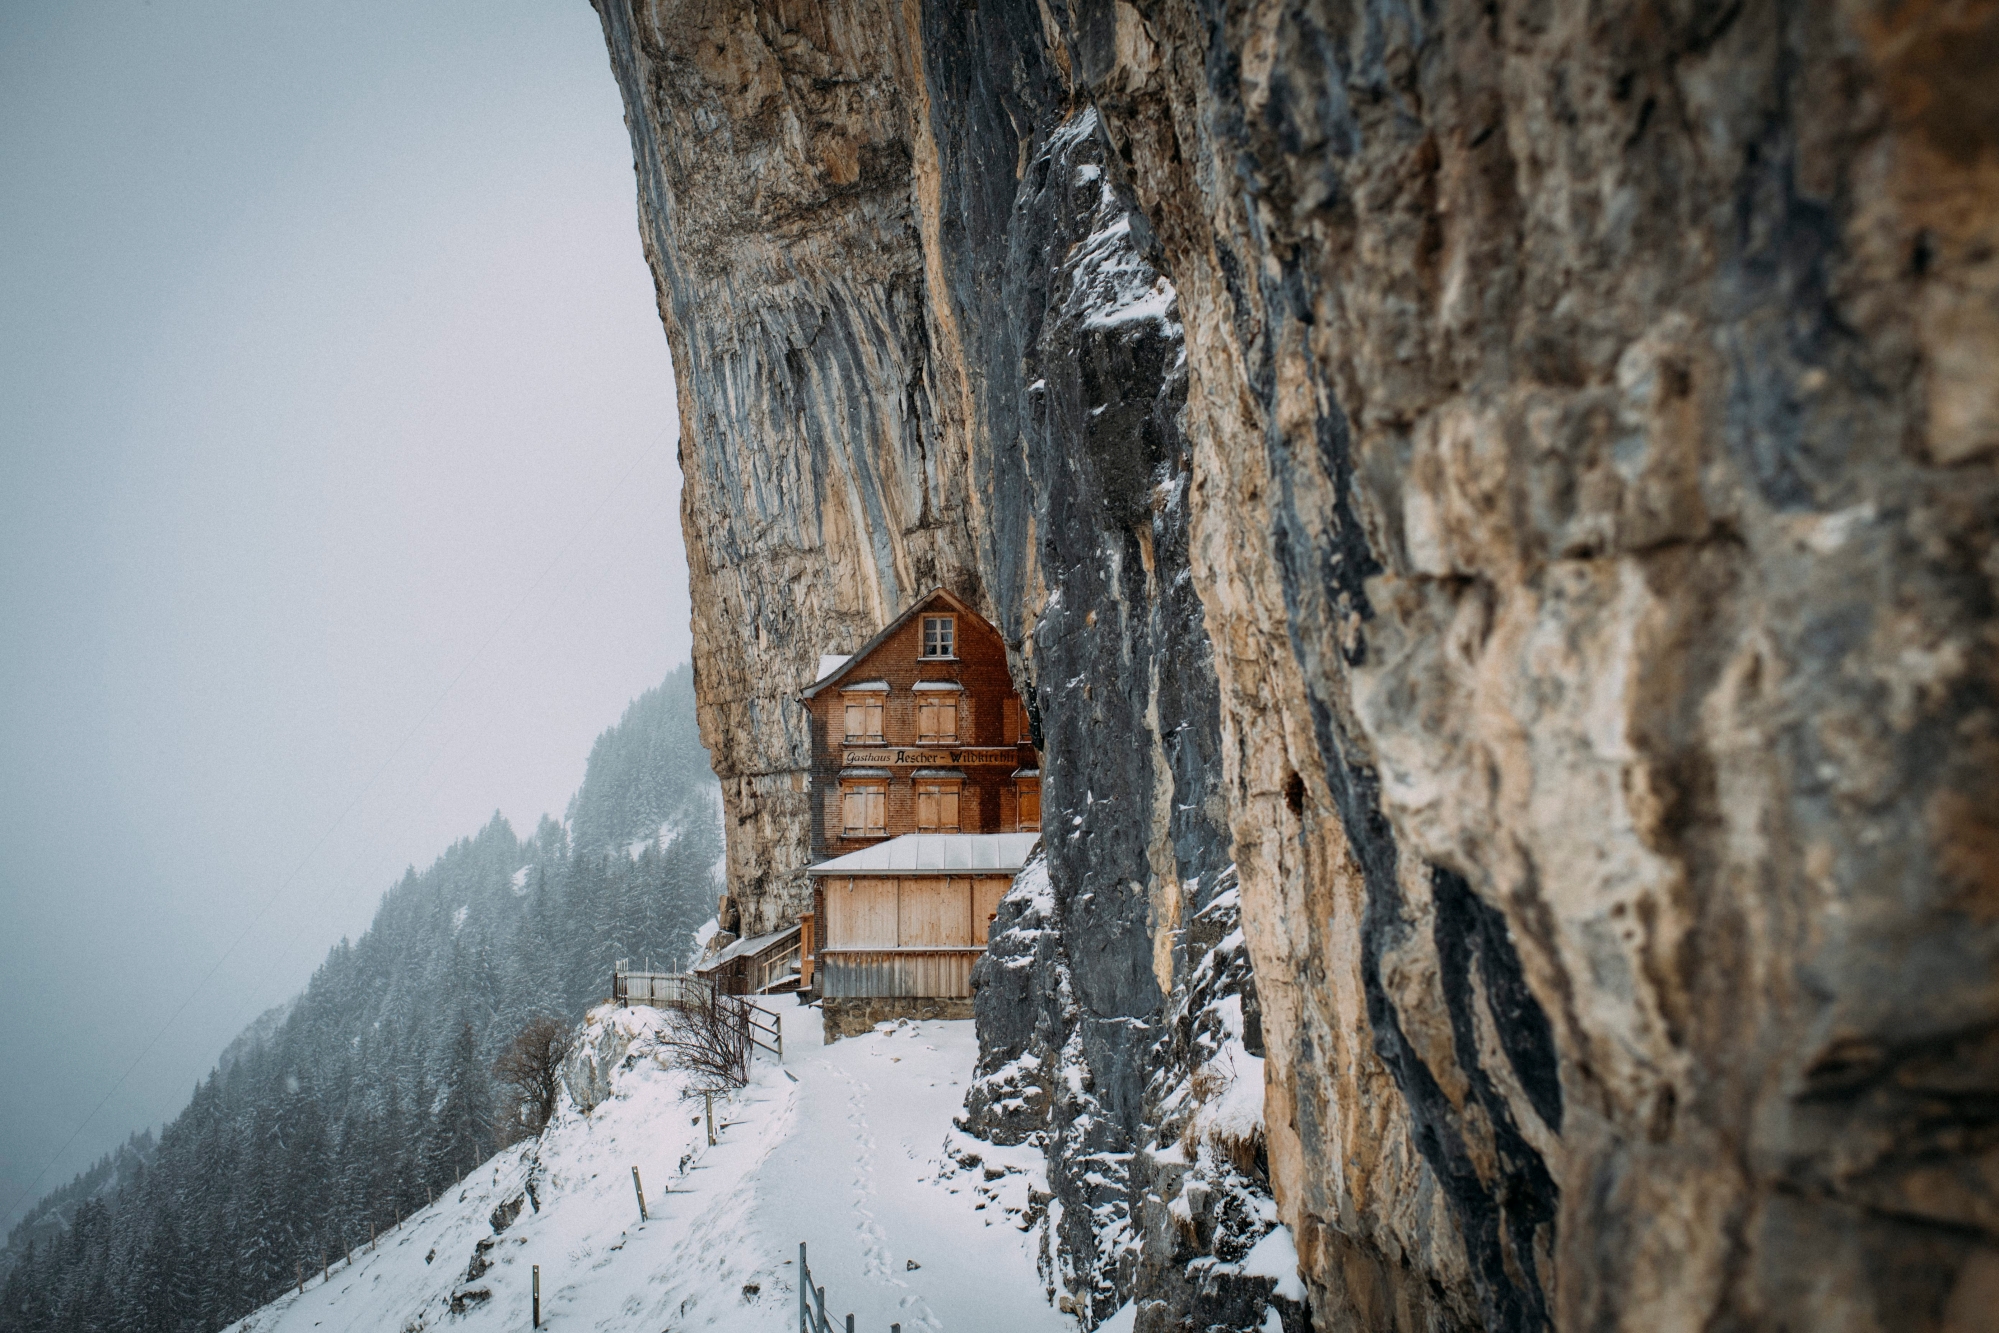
910	911
860	913
989	892
865	973
937	912
877	928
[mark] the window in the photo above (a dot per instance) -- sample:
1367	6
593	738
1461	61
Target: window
864	809
864	717
937	717
937	804
940	636
1027	802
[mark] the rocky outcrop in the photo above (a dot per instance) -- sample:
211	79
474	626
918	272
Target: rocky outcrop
604	1046
1518	483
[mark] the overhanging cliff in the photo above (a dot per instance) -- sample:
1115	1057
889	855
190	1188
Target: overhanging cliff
1514	481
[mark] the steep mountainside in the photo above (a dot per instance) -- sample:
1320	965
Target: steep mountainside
847	1149
351	1105
1516	481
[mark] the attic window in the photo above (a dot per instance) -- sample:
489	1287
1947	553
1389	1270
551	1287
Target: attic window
940	636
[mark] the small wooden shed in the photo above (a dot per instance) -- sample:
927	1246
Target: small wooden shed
907	918
764	965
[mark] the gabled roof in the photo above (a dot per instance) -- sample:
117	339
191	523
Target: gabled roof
936	853
861	654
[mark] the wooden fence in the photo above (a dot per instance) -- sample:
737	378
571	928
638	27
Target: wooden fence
659	989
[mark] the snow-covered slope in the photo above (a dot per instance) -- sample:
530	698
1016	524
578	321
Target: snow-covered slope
848	1148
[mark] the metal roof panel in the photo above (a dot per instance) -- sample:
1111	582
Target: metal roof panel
936	853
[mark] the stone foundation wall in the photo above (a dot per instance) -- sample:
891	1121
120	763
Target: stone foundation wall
852	1017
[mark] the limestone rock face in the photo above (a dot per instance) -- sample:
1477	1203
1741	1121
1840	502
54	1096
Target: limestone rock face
604	1044
1516	481
773	152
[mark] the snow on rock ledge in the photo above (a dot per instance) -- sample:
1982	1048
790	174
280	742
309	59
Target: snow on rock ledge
605	1045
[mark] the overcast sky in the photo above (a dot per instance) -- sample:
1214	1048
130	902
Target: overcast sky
338	509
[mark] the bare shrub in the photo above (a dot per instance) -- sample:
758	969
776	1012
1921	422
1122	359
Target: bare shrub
709	1038
530	1070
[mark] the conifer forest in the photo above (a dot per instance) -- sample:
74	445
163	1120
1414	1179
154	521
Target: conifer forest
343	1110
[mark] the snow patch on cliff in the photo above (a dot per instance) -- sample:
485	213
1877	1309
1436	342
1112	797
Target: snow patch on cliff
1111	284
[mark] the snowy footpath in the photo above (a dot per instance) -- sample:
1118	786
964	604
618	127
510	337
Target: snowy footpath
847	1148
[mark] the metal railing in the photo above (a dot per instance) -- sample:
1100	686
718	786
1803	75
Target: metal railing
812	1303
759	1020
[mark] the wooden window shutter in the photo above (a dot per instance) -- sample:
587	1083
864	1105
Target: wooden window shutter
864	717
864	811
1030	806
926	718
947	717
937	807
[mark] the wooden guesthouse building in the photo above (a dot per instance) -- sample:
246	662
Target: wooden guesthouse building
926	800
921	732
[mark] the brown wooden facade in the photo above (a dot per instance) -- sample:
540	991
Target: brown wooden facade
921	731
903	935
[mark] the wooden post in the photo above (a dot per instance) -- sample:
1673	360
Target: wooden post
778	1019
301	1277
537	1295
708	1100
850	1324
819	1299
371	1234
640	1190
325	1269
804	1281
